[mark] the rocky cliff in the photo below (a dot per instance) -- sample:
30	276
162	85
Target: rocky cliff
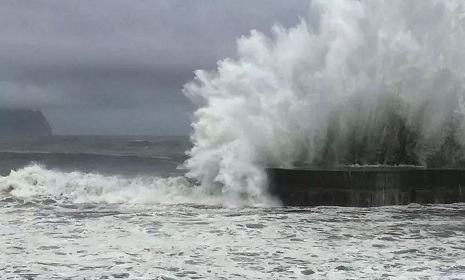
23	122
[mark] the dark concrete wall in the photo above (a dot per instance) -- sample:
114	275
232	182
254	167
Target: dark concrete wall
366	187
23	122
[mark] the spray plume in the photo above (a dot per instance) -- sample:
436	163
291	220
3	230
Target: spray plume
356	82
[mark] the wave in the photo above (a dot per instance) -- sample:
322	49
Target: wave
96	162
36	183
142	143
356	82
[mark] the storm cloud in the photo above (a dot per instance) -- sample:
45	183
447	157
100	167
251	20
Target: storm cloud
118	67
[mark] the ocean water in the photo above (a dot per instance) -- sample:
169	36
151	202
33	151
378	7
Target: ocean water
120	208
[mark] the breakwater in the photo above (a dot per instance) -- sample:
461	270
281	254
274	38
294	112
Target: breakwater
367	186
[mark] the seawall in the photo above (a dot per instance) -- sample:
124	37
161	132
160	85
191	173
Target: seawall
366	187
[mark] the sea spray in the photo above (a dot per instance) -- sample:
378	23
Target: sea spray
355	82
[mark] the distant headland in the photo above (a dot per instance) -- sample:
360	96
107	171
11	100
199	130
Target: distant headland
23	122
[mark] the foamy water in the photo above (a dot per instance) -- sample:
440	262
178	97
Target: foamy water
95	241
36	183
75	225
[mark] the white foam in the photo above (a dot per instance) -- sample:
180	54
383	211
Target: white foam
35	182
178	241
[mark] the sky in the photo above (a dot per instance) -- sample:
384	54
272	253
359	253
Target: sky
117	67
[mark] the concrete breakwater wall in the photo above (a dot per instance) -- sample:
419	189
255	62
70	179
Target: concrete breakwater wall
365	187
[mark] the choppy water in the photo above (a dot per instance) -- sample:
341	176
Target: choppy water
83	223
91	241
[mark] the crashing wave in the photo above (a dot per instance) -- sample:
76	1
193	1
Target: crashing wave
356	82
36	183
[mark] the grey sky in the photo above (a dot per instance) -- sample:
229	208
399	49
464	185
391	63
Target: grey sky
118	67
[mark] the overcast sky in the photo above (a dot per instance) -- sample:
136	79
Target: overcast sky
118	66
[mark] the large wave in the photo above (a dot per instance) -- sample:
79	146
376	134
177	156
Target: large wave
355	82
37	183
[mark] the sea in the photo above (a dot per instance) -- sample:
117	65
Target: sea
101	207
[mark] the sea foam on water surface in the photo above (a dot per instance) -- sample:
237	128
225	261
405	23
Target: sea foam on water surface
36	183
355	82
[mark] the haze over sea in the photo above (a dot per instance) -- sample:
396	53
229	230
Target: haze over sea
332	91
